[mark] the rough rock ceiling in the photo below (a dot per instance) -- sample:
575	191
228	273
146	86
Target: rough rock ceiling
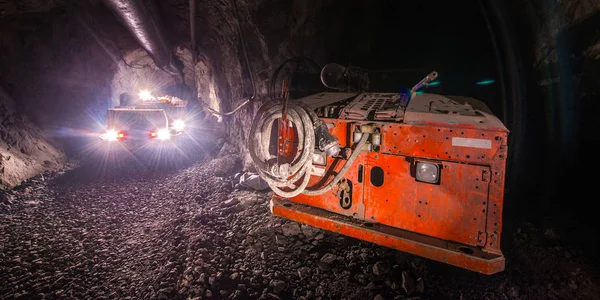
12	7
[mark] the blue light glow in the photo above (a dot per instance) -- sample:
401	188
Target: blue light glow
486	82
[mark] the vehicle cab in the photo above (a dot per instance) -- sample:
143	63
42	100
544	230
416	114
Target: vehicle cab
146	121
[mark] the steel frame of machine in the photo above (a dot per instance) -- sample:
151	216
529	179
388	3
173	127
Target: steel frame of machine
456	220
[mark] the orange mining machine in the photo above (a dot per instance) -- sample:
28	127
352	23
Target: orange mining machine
421	173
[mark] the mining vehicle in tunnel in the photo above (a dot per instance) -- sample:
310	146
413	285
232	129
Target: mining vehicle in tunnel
418	172
145	121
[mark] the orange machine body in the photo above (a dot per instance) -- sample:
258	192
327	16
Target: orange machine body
457	220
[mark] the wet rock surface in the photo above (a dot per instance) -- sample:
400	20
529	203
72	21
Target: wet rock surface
187	234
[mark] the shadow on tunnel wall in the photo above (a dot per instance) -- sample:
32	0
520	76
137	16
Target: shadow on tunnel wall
556	189
572	129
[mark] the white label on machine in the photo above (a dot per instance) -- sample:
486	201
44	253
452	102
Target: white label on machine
472	143
317	171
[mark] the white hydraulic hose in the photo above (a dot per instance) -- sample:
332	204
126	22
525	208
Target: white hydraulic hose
279	176
282	178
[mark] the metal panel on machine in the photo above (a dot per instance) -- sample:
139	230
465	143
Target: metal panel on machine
386	196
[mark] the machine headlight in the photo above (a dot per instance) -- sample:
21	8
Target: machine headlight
163	134
110	135
178	125
145	95
319	158
428	172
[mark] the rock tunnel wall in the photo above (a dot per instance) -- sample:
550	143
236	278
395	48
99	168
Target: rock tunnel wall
559	43
64	64
53	68
53	77
552	19
562	45
23	151
273	32
563	56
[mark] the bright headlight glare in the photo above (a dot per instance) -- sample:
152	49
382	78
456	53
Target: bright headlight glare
163	134
178	125
319	158
110	136
428	172
145	95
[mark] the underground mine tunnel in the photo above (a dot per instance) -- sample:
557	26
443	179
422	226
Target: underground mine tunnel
263	149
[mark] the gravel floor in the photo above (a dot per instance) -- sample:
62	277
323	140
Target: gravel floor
185	233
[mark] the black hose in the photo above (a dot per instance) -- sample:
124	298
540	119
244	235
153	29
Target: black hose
275	75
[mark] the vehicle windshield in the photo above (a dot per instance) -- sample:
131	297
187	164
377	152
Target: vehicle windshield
136	119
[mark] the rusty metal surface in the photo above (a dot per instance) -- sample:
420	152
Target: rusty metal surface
443	143
433	103
456	254
464	207
438	110
424	109
285	138
385	106
453	210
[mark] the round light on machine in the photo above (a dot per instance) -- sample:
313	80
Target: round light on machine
110	135
178	125
163	134
319	158
428	172
145	95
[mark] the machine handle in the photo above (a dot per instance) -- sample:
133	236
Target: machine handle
429	78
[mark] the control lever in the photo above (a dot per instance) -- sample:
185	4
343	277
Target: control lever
428	79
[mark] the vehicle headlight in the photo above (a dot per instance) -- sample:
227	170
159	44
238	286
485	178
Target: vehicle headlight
428	172
145	95
178	125
110	135
163	134
319	158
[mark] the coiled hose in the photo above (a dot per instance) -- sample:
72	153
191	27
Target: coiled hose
282	178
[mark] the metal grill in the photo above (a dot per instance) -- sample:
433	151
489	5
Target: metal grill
380	106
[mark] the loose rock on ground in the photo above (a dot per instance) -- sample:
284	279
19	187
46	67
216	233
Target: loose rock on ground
187	233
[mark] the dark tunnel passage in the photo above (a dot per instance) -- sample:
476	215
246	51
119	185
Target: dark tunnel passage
97	205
